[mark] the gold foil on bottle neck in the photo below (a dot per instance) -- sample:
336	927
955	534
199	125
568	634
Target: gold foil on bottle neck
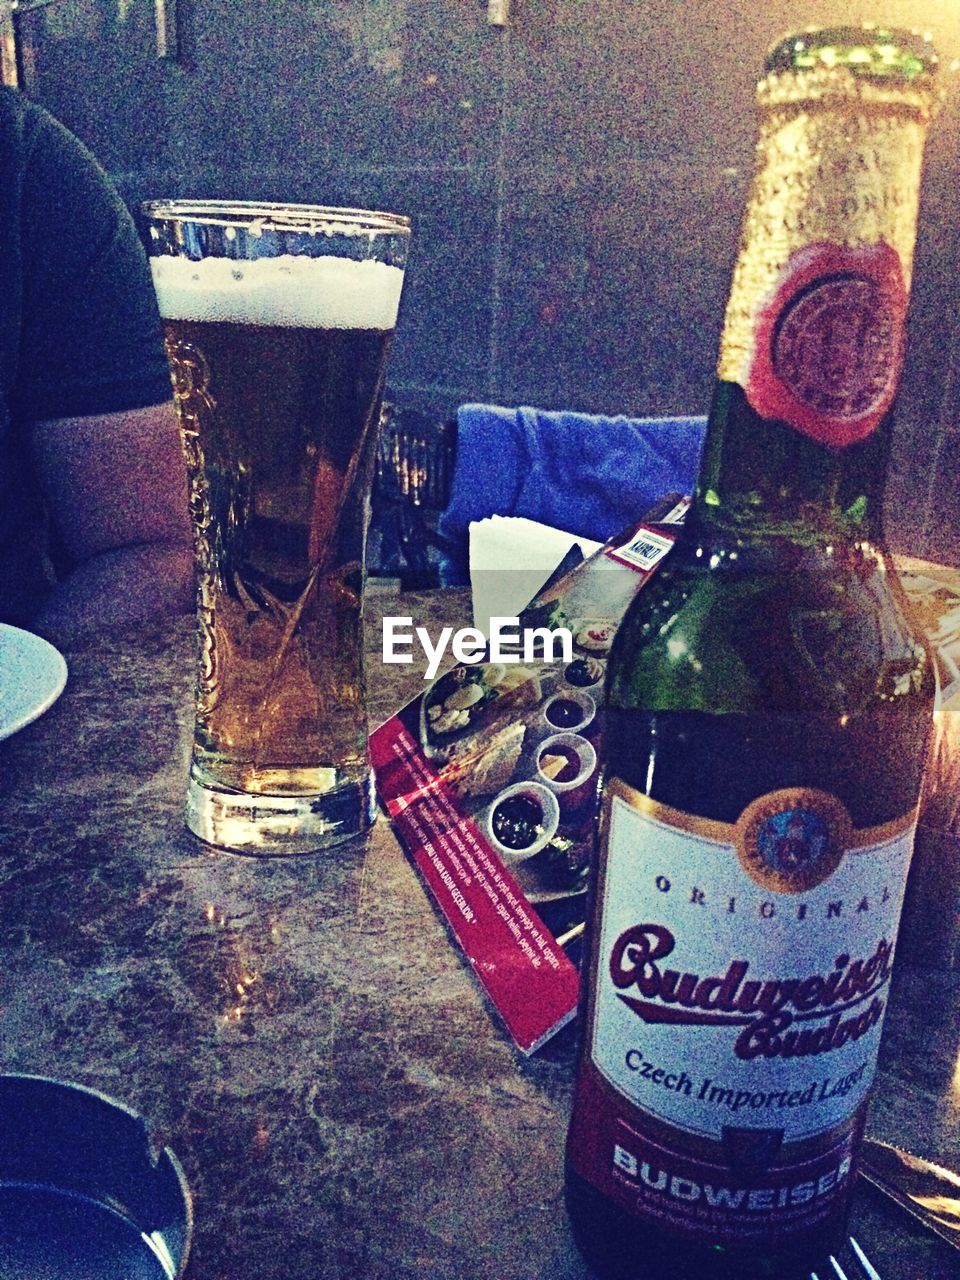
838	161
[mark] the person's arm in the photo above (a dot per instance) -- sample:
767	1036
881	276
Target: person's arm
116	490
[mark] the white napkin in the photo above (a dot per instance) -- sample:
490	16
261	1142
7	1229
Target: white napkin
510	560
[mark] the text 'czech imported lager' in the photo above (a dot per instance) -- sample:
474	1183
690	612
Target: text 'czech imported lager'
767	711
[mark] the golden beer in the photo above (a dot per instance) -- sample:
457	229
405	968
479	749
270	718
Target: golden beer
278	364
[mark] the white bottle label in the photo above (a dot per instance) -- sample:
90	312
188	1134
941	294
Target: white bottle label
744	968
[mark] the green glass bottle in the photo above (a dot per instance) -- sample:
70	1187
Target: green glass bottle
767	711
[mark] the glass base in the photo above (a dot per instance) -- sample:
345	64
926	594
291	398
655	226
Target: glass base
272	825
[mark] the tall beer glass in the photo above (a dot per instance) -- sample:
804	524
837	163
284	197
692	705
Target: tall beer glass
278	321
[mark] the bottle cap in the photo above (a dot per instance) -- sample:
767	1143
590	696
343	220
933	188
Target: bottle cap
872	64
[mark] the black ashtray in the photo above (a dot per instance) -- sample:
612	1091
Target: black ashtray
83	1193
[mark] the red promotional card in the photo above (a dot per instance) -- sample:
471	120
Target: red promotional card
490	779
526	975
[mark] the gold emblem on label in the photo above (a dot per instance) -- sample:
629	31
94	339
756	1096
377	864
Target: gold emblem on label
794	839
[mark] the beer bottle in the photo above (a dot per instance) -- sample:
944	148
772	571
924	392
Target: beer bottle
767	710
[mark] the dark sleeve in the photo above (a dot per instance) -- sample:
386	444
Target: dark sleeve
90	333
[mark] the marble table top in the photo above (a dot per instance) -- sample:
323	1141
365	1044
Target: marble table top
301	1031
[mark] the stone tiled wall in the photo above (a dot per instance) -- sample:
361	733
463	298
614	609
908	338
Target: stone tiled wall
575	180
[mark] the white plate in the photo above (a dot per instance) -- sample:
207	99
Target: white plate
32	676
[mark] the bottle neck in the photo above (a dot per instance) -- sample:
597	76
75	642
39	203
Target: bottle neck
761	479
813	336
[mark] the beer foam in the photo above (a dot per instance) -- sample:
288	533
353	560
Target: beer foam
289	291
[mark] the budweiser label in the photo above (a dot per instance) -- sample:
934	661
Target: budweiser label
743	975
744	969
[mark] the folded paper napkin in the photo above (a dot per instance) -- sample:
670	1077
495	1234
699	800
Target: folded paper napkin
510	560
582	472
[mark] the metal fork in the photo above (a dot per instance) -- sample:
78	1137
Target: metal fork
867	1269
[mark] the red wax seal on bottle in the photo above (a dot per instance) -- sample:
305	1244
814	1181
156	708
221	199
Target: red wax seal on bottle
829	342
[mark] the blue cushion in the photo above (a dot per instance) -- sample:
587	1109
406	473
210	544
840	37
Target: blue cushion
585	473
